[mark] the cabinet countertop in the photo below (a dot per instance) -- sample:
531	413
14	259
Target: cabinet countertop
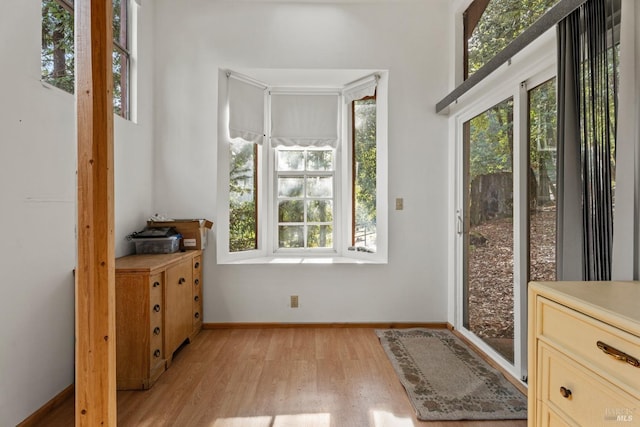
149	262
615	302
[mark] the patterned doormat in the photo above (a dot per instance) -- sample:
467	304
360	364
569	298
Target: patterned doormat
445	380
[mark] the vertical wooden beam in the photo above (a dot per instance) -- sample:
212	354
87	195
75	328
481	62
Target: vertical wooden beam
95	274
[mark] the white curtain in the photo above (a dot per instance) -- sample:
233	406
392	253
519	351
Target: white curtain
360	88
246	110
304	120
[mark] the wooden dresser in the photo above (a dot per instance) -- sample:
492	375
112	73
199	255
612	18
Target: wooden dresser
158	308
584	354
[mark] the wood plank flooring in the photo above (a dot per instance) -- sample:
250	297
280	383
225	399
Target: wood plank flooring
288	377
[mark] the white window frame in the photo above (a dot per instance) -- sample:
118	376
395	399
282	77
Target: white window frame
335	199
268	251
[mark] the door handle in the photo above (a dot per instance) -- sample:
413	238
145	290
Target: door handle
460	224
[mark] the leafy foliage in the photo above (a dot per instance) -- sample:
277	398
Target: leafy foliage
501	22
305	199
58	55
542	142
491	136
365	154
58	59
243	230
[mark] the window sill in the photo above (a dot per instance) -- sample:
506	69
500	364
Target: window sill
303	260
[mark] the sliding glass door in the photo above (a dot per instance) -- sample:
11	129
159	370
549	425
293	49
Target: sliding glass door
507	217
488	243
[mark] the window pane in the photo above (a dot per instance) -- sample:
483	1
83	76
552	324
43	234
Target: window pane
319	211
290	187
120	87
243	227
320	160
57	53
542	182
58	57
291	236
305	200
320	186
120	22
498	25
291	211
320	236
290	160
489	276
364	173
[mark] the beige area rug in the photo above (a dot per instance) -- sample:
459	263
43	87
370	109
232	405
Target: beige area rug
445	380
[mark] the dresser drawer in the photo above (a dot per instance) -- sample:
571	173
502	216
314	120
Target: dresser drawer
197	309
578	335
155	346
548	418
576	393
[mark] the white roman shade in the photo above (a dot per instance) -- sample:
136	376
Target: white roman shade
360	88
246	110
304	120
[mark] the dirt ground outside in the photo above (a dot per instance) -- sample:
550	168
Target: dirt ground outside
491	270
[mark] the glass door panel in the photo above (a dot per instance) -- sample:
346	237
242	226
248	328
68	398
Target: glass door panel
542	181
488	244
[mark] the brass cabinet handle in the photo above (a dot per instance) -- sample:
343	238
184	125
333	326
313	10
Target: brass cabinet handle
156	330
156	284
196	265
156	353
565	392
197	315
156	308
196	298
181	280
617	354
197	282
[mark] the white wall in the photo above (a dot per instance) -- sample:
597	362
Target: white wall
38	210
409	38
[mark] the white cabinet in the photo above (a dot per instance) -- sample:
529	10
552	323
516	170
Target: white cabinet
584	353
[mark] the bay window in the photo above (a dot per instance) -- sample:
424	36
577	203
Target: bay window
301	171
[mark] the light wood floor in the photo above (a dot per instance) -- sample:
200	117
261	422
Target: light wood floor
316	377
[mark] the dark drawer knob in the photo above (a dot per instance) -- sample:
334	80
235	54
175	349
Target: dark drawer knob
565	392
196	298
156	308
196	265
156	284
156	330
181	280
197	282
197	315
157	353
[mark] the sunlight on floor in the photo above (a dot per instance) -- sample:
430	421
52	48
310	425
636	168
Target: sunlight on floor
307	420
387	419
298	420
243	422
